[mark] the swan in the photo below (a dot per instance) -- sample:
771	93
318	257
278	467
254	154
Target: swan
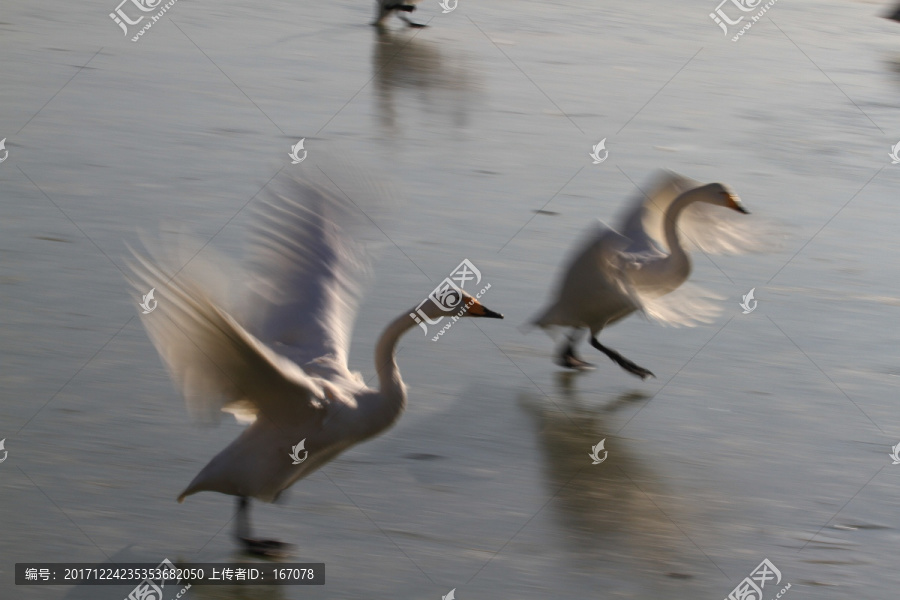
615	273
282	366
388	7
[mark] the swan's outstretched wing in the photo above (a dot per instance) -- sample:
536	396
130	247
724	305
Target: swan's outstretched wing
688	306
217	364
717	231
305	273
701	225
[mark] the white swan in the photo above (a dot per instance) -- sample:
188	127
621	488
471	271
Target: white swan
388	7
284	366
616	273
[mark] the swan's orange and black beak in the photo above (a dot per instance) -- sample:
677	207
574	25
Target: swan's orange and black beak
735	203
479	310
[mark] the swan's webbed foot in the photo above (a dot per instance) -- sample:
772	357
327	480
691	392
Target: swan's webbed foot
265	548
568	360
623	362
637	370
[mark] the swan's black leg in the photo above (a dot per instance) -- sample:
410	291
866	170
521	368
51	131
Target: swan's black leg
567	357
270	548
621	360
411	23
408	8
242	519
382	16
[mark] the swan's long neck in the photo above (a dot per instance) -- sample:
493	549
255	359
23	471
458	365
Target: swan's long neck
677	265
673	240
392	390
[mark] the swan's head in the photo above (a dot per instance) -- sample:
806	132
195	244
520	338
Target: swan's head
477	309
720	195
467	306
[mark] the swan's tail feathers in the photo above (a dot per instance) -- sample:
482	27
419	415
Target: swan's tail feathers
549	320
196	486
255	465
542	320
203	482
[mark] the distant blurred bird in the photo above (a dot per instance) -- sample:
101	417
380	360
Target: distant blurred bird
616	273
388	7
283	366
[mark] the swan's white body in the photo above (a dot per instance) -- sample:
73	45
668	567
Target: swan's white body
290	376
615	273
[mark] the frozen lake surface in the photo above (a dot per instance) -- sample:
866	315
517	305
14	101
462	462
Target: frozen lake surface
765	436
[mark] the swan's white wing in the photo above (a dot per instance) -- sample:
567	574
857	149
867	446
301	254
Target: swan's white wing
305	274
643	220
711	229
217	364
616	263
688	306
716	230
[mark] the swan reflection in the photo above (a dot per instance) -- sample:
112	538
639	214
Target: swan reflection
614	513
413	75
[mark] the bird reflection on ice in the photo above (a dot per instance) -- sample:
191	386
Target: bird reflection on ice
613	515
413	72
